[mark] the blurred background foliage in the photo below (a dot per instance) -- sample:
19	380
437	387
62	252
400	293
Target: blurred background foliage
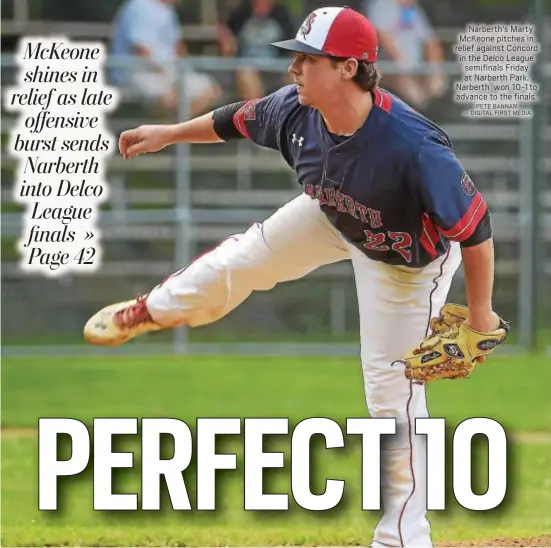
443	13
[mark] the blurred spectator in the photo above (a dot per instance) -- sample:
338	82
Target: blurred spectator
151	30
248	31
407	38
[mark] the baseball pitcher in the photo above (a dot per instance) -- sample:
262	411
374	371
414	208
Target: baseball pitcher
383	189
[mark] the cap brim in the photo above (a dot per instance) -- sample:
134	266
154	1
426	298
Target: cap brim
295	45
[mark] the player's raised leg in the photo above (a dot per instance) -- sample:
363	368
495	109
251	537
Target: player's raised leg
394	318
295	240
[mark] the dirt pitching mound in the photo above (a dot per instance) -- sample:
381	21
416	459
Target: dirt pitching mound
543	541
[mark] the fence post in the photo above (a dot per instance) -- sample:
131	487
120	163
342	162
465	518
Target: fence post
527	226
338	308
537	176
182	251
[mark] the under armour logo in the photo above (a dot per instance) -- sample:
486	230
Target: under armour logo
297	139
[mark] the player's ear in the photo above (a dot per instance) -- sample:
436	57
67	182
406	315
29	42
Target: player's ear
349	68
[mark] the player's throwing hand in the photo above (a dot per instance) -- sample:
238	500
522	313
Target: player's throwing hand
143	139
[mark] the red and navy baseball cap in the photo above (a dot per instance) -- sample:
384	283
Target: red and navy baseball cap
335	31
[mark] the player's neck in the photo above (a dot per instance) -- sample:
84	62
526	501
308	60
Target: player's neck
347	114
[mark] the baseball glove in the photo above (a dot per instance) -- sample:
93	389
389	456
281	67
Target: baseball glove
450	314
453	348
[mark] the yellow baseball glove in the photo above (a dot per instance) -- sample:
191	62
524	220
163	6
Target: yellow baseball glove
450	314
453	348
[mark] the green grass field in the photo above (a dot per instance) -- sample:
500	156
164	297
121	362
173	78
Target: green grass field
511	390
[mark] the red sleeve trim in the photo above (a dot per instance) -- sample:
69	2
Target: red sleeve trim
246	112
382	99
468	223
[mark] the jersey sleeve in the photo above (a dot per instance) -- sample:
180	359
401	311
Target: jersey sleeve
448	193
261	120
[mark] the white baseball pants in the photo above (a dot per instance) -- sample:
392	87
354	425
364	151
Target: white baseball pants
395	305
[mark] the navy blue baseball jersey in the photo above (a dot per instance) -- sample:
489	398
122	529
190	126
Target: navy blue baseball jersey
394	189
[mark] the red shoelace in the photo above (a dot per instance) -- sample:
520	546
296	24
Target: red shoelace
132	315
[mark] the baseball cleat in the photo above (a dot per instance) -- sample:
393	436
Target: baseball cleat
118	323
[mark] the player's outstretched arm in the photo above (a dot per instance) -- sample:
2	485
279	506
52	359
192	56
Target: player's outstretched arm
258	120
152	138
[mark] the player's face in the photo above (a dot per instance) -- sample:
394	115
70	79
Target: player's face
317	79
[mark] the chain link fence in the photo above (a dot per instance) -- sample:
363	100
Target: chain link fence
168	207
